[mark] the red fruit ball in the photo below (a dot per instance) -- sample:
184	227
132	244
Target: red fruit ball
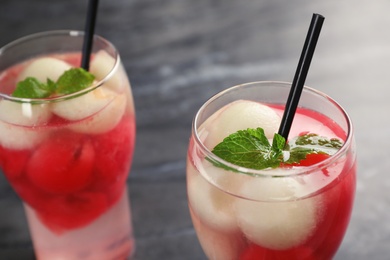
62	164
313	159
13	162
113	154
310	159
68	212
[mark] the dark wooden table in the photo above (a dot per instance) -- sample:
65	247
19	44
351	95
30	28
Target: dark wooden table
178	53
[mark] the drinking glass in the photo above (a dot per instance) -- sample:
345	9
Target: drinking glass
68	156
297	212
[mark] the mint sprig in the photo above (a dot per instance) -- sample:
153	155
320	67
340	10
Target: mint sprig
310	143
71	81
314	140
31	88
251	149
74	80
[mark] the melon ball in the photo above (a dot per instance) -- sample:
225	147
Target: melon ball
16	120
282	223
24	114
101	65
218	244
211	205
240	115
83	106
225	180
104	120
19	138
44	68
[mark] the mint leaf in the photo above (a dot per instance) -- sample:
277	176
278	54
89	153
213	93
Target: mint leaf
51	85
31	88
278	142
74	80
312	143
298	154
250	149
316	141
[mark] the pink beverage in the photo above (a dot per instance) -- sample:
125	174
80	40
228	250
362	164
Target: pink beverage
295	211
68	156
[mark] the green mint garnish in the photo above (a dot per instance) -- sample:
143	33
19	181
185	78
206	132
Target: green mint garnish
251	149
31	88
314	140
72	80
311	143
51	85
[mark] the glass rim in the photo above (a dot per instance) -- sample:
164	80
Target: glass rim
70	33
269	171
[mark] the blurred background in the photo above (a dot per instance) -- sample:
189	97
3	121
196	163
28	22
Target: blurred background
178	53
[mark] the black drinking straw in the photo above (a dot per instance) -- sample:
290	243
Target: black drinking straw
300	74
88	33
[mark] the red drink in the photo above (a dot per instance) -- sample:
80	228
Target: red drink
68	157
295	211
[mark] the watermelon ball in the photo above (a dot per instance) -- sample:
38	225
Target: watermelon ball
113	154
62	164
73	211
30	194
13	162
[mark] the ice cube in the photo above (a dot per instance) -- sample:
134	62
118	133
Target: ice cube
210	204
101	65
240	115
105	120
83	106
282	222
24	114
44	68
